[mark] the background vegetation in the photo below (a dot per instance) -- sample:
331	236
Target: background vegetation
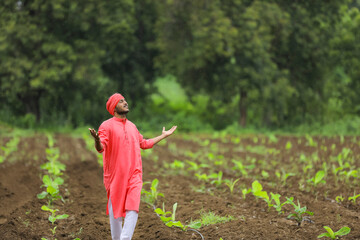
203	65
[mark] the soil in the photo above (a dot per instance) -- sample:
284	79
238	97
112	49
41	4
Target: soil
85	199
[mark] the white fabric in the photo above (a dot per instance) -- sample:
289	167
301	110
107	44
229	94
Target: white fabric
117	231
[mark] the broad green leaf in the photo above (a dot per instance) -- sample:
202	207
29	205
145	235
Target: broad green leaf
52	219
319	176
46	180
159	211
324	235
195	225
63	216
256	186
330	231
165	219
343	231
59	181
52	190
45	208
42	195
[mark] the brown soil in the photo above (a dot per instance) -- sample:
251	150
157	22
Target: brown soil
85	200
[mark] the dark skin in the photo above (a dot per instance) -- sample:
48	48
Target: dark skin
120	111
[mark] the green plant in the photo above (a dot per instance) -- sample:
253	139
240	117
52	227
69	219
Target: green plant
277	204
209	218
334	235
299	212
353	198
231	184
245	192
257	190
196	167
53	166
10	146
202	177
339	199
53	217
217	178
151	197
240	167
288	145
318	178
169	221
283	176
52	189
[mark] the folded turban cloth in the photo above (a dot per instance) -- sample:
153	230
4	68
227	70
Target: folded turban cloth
112	102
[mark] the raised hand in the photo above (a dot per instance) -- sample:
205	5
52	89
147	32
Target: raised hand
168	132
94	134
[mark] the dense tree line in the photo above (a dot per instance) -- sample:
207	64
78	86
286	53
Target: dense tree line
261	62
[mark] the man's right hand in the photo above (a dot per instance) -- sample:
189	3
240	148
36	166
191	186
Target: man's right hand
94	134
98	144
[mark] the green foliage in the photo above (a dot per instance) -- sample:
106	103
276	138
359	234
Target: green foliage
10	146
353	198
169	221
152	196
53	217
334	235
299	212
52	189
318	178
231	184
209	218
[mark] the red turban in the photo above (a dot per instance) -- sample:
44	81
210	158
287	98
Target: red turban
112	102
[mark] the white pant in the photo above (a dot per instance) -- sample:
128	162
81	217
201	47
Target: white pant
117	231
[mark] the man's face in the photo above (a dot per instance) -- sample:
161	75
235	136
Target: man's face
122	107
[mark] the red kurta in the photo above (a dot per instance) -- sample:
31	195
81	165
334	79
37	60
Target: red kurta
122	163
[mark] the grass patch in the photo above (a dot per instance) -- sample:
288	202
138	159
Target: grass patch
209	218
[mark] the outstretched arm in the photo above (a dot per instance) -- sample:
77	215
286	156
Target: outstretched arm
164	134
99	147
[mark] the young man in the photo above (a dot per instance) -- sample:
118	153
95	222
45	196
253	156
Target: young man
120	142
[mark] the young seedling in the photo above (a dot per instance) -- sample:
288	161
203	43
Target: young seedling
170	221
299	212
52	189
257	190
339	199
217	178
318	178
240	167
334	235
196	167
10	146
278	205
283	176
202	177
53	217
231	184
151	197
353	198
245	192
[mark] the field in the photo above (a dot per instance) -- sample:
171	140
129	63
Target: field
213	175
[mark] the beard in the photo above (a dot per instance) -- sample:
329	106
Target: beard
121	112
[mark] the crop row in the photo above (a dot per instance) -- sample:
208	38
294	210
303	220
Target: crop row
52	182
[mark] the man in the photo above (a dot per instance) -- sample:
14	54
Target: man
120	142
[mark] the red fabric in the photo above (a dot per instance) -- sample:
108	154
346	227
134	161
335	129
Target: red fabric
112	102
122	163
